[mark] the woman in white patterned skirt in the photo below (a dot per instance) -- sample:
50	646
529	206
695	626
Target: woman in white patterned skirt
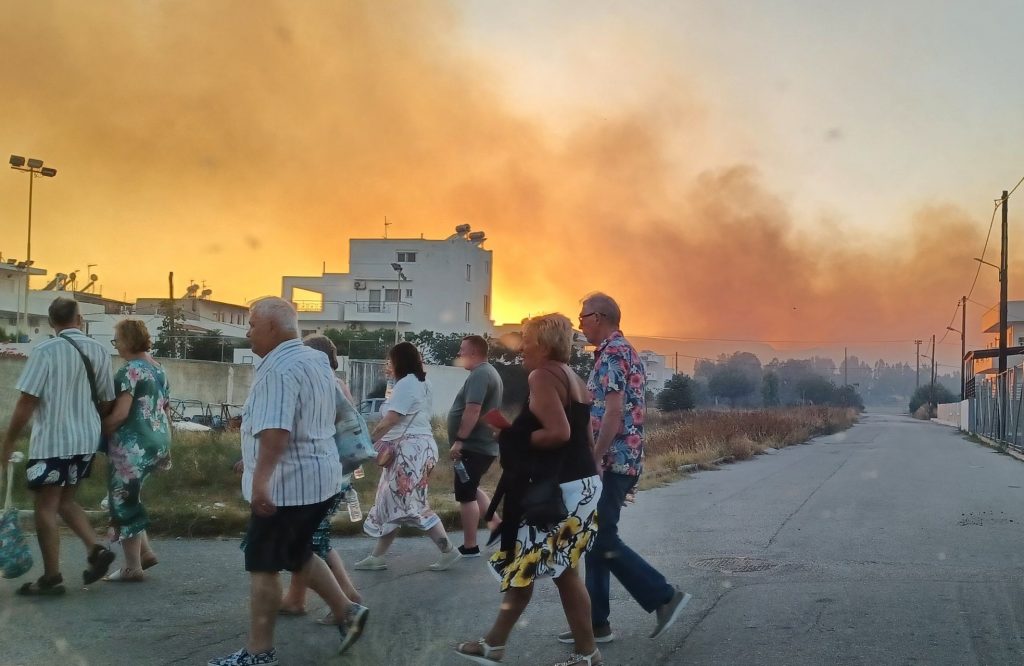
402	489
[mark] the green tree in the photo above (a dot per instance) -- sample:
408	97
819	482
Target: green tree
816	390
171	341
358	343
927	394
731	383
679	393
770	390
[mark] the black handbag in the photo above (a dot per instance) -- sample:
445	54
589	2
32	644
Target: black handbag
543	504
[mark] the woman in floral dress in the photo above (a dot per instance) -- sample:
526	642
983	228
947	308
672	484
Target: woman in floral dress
402	490
139	431
549	441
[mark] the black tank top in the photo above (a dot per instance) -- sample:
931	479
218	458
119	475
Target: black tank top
572	461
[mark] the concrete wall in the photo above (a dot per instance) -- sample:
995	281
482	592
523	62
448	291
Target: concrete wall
950	414
207	381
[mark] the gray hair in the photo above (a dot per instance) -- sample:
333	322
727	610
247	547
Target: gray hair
278	310
604	305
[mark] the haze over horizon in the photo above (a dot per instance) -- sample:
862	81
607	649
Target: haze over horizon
743	172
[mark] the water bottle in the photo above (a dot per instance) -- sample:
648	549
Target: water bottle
355	512
460	470
359	473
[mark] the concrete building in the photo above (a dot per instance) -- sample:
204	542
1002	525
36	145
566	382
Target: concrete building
1014	337
658	372
447	287
12	301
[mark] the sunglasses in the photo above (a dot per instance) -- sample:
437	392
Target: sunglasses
589	314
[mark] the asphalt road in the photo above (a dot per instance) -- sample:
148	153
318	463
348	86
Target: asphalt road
897	542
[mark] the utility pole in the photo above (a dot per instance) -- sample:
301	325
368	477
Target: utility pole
931	391
174	340
846	368
963	347
1003	392
917	374
677	363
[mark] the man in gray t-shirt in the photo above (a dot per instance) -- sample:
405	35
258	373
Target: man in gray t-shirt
473	442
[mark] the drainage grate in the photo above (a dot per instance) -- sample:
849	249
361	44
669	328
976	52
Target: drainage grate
733	564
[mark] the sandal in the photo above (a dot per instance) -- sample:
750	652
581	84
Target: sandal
577	659
486	651
43	587
99	560
125	575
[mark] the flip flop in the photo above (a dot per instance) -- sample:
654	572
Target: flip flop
99	561
43	587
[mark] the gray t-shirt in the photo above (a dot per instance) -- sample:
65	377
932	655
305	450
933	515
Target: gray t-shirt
482	387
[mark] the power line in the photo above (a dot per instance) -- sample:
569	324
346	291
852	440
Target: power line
951	320
1010	193
806	342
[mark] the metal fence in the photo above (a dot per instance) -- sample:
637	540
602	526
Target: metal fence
997	407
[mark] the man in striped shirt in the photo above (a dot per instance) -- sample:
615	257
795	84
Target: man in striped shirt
291	475
56	389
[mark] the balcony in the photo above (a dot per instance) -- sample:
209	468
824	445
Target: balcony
378	313
318	310
990	366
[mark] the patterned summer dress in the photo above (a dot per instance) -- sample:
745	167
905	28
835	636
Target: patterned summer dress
140	445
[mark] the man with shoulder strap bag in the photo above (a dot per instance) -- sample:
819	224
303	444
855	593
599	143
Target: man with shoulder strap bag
67	404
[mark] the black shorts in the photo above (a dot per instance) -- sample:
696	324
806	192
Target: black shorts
62	471
285	539
477	465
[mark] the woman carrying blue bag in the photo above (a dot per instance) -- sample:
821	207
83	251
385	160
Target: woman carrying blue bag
354	446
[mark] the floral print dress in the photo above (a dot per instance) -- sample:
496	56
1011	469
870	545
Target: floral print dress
140	445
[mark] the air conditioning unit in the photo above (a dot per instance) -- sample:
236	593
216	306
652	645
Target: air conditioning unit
360	285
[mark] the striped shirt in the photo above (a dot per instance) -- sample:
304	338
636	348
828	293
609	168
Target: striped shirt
294	390
65	422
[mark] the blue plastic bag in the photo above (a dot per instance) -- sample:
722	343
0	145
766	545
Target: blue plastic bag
15	556
351	435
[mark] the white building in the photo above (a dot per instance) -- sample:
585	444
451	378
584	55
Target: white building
658	372
12	302
446	287
1014	337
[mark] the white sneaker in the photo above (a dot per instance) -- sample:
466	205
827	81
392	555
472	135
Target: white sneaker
446	560
371	563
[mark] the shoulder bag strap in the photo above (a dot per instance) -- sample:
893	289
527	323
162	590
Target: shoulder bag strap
88	371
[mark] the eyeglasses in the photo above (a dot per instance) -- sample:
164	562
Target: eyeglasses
588	314
113	342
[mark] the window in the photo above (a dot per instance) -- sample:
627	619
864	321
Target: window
487	305
407	257
391	295
468	269
408	293
468	305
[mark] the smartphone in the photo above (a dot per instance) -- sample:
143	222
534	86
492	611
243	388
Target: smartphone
496	419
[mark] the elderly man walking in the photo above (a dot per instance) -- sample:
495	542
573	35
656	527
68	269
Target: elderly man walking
473	442
617	385
291	475
66	385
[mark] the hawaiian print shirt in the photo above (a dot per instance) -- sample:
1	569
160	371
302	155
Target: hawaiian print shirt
618	367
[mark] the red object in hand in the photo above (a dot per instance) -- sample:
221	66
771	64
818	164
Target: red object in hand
496	419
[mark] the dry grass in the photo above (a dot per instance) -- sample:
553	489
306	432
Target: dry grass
200	495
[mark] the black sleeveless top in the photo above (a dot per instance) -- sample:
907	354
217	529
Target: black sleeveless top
572	461
521	462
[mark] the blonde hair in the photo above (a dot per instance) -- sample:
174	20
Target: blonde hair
134	335
554	332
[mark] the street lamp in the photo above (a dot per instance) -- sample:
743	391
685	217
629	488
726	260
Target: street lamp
34	168
398	300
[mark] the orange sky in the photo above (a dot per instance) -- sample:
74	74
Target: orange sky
234	146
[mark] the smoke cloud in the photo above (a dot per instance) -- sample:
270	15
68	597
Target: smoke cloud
236	143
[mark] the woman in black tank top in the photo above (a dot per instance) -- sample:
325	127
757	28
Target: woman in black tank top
550	439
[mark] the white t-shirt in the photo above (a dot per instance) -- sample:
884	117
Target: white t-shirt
411	398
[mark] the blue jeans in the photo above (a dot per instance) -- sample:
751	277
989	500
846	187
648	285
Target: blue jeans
610	556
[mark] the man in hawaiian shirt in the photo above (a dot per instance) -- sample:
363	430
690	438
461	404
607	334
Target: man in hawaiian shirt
617	385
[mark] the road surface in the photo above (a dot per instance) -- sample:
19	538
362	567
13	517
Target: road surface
896	542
